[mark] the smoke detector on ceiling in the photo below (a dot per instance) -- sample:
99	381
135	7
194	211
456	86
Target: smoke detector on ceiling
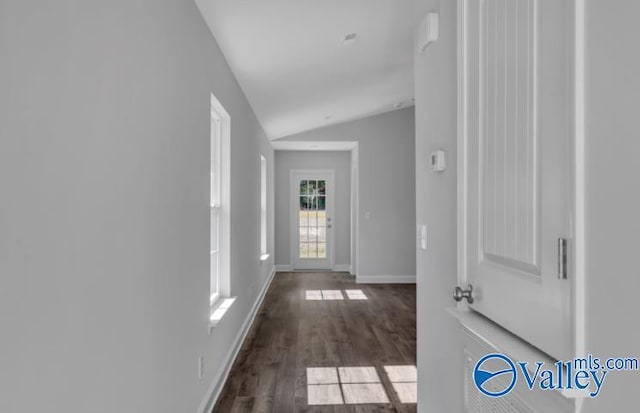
348	39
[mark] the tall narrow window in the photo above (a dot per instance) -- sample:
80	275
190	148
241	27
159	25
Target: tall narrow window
219	204
263	208
216	207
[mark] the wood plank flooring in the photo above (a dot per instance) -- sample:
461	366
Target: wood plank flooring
291	334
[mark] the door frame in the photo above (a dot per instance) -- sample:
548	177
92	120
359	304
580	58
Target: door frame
293	227
576	208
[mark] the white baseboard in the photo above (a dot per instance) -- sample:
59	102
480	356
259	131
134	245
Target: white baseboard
336	268
342	268
218	383
385	279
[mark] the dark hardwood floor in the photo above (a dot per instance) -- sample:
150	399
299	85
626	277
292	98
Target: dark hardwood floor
291	334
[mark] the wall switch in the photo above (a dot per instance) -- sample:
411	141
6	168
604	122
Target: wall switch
422	237
437	161
200	367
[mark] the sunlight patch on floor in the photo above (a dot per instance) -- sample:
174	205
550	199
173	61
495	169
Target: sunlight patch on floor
406	392
358	375
356	295
344	385
332	295
324	394
322	375
328	295
313	295
404	380
364	393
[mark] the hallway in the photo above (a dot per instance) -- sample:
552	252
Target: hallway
241	206
310	333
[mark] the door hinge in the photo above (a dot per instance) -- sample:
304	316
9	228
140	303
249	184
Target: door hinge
562	258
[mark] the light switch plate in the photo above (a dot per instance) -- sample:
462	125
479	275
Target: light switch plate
422	237
437	161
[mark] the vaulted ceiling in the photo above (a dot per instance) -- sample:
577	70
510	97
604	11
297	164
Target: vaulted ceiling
290	60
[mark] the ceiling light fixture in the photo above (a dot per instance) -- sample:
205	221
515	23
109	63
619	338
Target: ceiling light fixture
348	39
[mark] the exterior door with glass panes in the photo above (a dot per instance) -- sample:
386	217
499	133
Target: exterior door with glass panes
312	219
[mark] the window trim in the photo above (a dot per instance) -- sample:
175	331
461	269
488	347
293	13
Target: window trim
264	249
219	203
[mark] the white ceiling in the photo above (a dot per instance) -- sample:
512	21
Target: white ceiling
287	56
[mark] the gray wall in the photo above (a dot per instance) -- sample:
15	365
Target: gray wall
440	350
387	183
612	194
340	162
104	170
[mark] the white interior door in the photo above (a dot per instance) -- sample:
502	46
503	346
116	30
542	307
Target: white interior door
312	219
518	92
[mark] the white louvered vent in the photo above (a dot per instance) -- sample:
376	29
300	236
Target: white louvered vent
476	402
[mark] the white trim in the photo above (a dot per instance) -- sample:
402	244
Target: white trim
223	156
336	268
579	225
385	279
342	268
355	208
264	206
462	118
217	304
223	373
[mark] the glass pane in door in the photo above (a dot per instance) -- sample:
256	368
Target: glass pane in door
312	219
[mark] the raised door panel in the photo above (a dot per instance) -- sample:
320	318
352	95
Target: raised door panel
509	164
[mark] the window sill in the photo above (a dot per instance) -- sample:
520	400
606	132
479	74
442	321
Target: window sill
218	311
264	257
